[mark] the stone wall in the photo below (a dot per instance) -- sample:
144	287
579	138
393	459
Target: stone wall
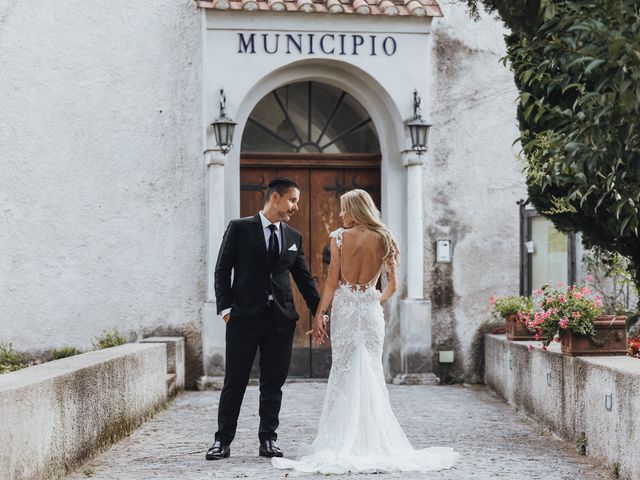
56	414
102	185
472	182
590	401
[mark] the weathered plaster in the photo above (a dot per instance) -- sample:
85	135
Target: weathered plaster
102	185
471	183
596	398
58	414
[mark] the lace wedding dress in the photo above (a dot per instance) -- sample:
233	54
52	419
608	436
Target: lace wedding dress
358	431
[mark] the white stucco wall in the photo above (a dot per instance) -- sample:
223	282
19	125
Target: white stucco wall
471	180
103	181
102	176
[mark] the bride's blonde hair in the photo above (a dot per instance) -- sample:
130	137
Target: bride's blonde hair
359	205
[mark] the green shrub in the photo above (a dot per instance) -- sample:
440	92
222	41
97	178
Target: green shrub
108	339
582	443
64	352
10	360
511	305
577	69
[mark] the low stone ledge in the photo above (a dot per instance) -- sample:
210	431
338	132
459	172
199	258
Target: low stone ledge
175	360
595	396
57	414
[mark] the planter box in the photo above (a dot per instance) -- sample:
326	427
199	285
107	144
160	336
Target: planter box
610	338
516	330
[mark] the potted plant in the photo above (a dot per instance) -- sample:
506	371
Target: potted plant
514	310
576	316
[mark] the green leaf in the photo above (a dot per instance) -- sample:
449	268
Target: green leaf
579	60
593	65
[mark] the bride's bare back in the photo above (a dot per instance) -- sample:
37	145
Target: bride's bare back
362	254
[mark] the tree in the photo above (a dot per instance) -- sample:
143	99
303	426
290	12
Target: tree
576	65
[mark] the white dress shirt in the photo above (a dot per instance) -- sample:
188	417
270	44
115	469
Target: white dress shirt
267	234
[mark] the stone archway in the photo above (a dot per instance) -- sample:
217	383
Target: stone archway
400	201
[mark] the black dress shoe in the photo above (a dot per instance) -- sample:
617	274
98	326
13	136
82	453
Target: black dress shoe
269	449
218	451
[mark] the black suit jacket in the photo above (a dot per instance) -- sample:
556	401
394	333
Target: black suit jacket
243	250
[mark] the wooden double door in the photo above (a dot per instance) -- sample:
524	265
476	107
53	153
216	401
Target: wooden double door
321	187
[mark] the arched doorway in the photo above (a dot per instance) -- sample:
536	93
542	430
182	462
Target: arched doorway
321	137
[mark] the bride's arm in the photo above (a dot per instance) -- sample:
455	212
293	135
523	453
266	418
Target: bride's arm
330	285
390	288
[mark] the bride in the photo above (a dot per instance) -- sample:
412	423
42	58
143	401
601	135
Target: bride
358	431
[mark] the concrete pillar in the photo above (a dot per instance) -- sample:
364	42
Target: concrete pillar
213	329
415	310
415	232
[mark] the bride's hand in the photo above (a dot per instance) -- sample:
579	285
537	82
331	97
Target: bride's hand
319	331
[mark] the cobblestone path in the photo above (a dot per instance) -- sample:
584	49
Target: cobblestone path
495	442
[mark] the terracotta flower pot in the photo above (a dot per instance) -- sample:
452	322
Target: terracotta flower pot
610	338
498	330
516	330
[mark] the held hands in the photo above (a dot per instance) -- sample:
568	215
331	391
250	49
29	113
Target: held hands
319	331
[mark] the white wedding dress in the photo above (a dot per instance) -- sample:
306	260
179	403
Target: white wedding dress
358	432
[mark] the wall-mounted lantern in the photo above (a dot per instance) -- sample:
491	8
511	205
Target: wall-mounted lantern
223	127
418	127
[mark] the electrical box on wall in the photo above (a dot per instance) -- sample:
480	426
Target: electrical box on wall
443	251
529	246
445	356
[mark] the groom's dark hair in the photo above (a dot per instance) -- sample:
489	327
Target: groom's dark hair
280	185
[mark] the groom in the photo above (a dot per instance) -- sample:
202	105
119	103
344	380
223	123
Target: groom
258	310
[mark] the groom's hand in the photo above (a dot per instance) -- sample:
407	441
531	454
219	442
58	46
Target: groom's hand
226	318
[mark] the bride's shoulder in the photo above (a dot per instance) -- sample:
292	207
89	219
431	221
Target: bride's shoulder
337	234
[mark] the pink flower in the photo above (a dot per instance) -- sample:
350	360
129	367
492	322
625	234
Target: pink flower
564	323
598	301
537	336
492	299
576	314
537	292
556	339
544	347
589	278
560	284
577	295
531	348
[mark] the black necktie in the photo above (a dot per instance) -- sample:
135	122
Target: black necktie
274	246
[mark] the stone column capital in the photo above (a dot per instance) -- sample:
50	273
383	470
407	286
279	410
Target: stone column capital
215	157
410	158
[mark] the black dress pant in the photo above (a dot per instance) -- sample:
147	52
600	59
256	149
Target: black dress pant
242	342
